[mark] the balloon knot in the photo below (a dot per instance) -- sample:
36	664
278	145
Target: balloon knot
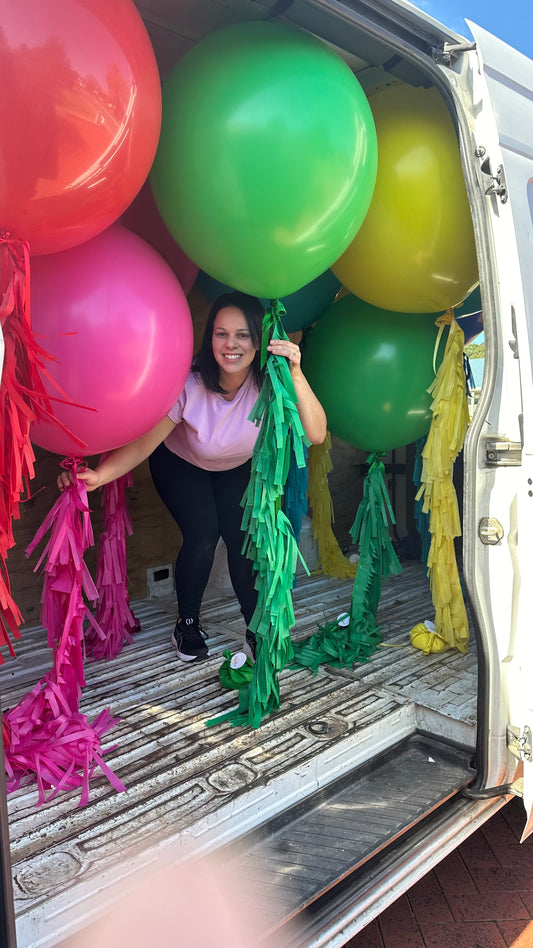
277	308
446	318
375	457
73	464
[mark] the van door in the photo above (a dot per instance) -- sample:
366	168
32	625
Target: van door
499	447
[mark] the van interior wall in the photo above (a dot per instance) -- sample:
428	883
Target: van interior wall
156	538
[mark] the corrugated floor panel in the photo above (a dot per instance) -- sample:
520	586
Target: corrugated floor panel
188	784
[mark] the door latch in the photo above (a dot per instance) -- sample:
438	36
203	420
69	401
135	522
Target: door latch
498	182
519	742
500	452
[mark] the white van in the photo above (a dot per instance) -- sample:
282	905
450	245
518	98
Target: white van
366	778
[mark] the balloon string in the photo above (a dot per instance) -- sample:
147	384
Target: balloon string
442	321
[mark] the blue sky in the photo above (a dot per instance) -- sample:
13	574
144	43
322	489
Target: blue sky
511	20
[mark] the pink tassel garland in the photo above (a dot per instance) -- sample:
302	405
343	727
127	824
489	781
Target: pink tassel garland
113	615
48	738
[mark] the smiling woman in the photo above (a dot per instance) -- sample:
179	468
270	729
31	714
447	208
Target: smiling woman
200	457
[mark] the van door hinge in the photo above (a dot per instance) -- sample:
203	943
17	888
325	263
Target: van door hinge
498	182
519	742
446	54
500	452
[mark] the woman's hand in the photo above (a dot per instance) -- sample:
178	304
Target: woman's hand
121	460
312	415
90	478
291	351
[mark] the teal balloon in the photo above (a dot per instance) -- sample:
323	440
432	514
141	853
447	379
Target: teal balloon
267	158
371	369
303	307
470	316
470	306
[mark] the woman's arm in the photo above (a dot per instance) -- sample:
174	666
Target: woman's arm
312	414
121	460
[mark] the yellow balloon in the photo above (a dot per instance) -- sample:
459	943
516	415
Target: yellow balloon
427	640
415	251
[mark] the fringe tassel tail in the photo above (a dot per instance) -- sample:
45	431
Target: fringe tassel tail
331	560
115	622
49	740
445	440
340	644
23	399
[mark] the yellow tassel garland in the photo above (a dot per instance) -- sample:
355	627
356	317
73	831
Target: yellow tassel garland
330	557
444	441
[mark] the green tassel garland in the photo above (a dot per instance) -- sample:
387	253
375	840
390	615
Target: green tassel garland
269	538
338	645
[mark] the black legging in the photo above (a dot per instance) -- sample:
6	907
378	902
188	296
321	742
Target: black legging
206	506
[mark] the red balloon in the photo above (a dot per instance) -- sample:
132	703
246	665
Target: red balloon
143	218
80	113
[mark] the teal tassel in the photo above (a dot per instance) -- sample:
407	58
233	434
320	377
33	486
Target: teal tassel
295	496
421	517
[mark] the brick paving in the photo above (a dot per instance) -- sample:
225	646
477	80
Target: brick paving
481	896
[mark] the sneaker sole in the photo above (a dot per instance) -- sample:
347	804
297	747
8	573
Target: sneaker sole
189	658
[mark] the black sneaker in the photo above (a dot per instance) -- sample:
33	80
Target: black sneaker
251	642
189	640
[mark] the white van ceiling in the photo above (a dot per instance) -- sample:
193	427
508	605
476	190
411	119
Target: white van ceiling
176	25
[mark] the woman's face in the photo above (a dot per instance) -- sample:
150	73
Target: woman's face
233	348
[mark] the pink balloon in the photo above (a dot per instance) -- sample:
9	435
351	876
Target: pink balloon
116	319
144	219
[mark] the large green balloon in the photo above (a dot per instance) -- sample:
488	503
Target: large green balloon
267	158
371	369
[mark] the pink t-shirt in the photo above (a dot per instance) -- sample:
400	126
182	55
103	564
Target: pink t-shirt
211	432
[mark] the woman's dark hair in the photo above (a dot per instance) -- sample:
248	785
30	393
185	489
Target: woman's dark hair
205	363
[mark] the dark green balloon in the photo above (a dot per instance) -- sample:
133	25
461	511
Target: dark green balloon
302	308
371	369
267	158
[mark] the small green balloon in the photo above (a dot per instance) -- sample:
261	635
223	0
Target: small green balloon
267	158
371	369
